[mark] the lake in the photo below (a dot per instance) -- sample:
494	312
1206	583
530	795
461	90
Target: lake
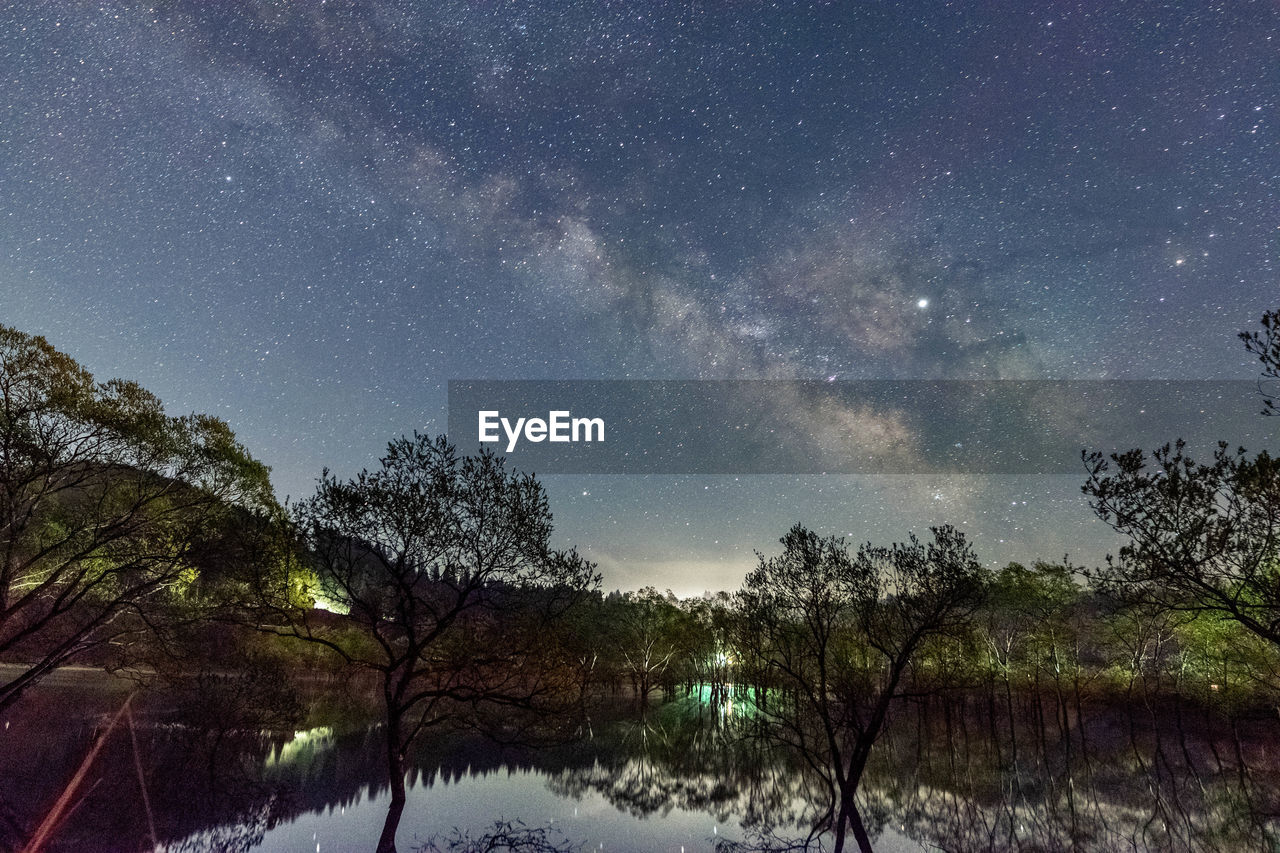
958	772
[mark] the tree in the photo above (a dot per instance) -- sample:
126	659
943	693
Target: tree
445	586
705	644
512	836
103	500
1201	537
1266	346
836	634
649	630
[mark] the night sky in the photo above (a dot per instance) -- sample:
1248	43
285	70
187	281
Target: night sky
307	217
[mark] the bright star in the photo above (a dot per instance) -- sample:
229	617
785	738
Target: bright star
922	303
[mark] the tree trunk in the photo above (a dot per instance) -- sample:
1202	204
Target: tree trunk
859	830
395	777
387	841
849	816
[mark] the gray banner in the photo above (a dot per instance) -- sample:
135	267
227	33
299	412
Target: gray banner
863	427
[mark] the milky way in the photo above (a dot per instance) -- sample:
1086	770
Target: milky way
307	217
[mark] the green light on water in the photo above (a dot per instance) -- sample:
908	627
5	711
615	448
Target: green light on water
302	747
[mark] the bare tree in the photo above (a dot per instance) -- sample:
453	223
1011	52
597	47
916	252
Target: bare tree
649	628
103	499
836	633
444	584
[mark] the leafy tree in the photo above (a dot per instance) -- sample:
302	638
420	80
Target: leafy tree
1218	658
1266	346
1028	619
445	586
706	643
1201	537
836	634
104	499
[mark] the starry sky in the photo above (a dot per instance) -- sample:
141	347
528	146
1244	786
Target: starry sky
307	217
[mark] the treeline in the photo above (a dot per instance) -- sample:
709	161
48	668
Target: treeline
1039	627
136	539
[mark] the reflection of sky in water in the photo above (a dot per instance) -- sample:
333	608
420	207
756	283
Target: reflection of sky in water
942	785
475	802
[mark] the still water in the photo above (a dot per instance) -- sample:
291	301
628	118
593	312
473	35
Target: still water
471	802
957	774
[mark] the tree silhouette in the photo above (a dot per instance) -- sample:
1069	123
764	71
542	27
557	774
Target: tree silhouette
510	835
444	584
1266	346
1202	537
835	634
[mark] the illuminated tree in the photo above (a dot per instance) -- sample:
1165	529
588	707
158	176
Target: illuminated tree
649	629
103	499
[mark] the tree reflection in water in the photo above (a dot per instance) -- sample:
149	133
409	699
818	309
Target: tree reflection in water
1147	776
1154	772
1150	776
513	836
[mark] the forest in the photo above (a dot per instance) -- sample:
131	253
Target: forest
426	592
